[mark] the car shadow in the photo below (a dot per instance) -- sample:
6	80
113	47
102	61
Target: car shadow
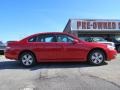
17	65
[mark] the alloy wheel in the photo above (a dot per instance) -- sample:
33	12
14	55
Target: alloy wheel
96	57
27	59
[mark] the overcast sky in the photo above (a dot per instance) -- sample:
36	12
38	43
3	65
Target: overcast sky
20	18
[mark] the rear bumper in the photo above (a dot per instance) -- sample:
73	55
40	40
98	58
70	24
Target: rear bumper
11	55
111	54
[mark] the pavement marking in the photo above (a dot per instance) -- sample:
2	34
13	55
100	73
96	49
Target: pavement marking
27	89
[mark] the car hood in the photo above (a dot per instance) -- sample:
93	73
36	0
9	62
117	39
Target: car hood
95	44
108	43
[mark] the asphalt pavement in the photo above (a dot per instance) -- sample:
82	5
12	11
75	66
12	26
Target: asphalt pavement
59	76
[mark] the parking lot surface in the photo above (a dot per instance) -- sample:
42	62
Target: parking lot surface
59	76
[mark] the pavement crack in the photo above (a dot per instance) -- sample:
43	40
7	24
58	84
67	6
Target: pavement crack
104	80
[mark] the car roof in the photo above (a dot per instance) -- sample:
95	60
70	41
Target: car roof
49	33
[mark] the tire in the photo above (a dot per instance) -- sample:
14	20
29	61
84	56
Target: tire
27	59
96	57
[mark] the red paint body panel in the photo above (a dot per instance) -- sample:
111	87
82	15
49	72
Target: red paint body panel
111	54
56	51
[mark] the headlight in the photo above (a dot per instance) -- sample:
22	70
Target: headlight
110	47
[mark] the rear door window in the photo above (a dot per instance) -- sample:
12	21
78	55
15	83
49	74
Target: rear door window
46	38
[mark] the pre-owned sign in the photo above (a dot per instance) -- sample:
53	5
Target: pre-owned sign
95	24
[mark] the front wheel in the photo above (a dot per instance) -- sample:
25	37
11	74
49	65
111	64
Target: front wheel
27	59
96	57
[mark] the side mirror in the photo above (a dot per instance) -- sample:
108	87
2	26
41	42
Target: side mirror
75	41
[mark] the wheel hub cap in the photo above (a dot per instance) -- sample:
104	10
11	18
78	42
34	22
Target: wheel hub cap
97	58
27	59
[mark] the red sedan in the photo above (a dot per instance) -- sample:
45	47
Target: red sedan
57	47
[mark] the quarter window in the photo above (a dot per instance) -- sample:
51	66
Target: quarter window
33	39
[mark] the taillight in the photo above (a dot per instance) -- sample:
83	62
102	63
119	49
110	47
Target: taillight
7	48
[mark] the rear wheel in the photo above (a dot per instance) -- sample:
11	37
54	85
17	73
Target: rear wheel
27	59
96	57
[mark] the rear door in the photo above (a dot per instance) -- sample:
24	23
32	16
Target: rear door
46	47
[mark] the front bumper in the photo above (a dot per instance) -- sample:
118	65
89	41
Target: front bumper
111	54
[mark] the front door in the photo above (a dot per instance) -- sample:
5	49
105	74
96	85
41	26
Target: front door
70	50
